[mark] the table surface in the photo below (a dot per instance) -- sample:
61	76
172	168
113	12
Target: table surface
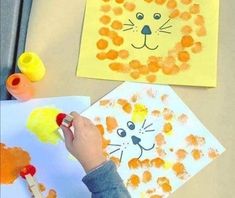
54	33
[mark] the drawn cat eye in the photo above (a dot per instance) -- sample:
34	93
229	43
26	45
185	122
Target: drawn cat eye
131	125
121	132
139	15
157	16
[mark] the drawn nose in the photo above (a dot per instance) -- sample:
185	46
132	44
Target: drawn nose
146	30
135	140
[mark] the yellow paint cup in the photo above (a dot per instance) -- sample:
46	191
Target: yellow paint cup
32	66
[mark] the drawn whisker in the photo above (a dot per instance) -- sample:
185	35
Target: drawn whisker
165	32
151	130
128	29
114	151
163	28
114	145
143	123
148	126
129	24
120	159
164	23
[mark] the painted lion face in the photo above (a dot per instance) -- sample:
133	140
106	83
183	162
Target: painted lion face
143	38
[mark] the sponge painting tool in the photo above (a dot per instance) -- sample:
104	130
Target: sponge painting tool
27	173
64	119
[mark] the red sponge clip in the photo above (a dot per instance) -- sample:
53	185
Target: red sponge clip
59	118
29	169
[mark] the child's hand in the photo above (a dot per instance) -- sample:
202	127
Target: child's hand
85	144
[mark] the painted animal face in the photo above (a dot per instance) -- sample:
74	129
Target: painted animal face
146	37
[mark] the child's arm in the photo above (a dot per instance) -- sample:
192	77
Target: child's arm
85	144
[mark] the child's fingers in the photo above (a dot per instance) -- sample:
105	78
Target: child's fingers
68	136
78	123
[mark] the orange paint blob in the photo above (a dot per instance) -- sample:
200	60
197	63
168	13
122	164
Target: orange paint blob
12	162
127	108
112	54
179	170
186	1
123	54
51	194
101	56
167	114
212	153
104	31
147	176
100	128
155	113
160	2
167	127
105	143
134	163
105	19
187	41
166	187
186	29
117	67
197	47
119	1
135	74
160	139
135	64
197	154
153	67
183	118
104	102
175	13
201	31
145	163
181	154
195	140
134	181
155	196
183	56
195	9
111	123
199	20
185	16
130	6
157	162
115	160
117	11
171	4
151	78
118	40
117	25
105	8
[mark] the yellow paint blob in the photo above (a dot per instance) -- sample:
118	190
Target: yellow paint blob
167	165
42	122
140	113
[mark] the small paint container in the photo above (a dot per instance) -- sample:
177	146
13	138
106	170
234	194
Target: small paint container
19	86
32	66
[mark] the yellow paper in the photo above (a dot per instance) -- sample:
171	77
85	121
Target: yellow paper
157	41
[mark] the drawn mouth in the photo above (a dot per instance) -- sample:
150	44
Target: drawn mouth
142	148
144	45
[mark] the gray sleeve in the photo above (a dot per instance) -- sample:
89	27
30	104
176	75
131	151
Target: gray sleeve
105	182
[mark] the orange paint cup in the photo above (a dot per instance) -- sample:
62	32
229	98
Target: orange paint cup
19	86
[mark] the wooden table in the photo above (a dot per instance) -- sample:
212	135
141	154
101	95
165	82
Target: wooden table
54	33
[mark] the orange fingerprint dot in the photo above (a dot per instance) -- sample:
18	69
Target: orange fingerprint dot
151	78
135	74
186	29
186	1
123	54
148	1
105	8
105	143
106	0
105	19
167	69
112	34
201	31
134	98
112	54
175	69
183	118
117	67
104	102
134	181
102	44
184	66
130	6
160	2
117	11
185	16
187	41
100	128
153	66
115	160
101	55
134	163
118	40
162	180
197	154
154	59
122	102
166	187
143	70
117	25
179	169
111	123
181	154
156	196
147	176
104	31
167	114
171	4
197	47
175	13
199	20
127	108
160	139
135	64
212	153
183	56
119	1
167	127
155	113
195	9
157	162
145	163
